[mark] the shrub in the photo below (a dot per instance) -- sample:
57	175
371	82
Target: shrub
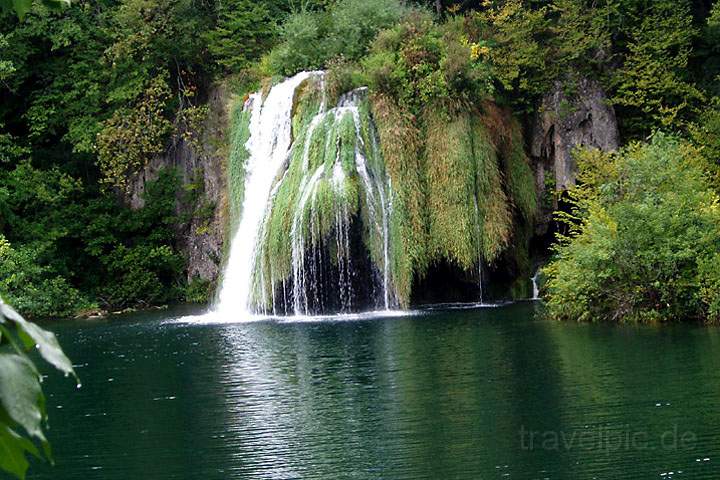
705	133
709	279
244	31
709	49
198	290
418	62
62	252
140	265
310	39
516	47
33	286
651	88
303	44
341	77
354	24
645	230
140	275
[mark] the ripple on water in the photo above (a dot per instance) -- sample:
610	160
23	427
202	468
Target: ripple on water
440	393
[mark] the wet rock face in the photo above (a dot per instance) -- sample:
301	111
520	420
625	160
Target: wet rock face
201	168
575	113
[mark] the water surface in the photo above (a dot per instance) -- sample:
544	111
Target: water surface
479	393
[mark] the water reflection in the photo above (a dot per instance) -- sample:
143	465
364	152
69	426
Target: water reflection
446	394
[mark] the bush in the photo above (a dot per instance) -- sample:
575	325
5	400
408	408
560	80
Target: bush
244	31
33	286
302	46
354	25
92	251
343	76
645	230
517	48
652	89
310	39
198	290
418	62
140	275
709	278
705	133
709	51
140	265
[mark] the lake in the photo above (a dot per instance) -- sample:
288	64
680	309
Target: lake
444	393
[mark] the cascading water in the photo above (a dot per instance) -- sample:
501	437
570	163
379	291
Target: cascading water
310	187
269	145
535	287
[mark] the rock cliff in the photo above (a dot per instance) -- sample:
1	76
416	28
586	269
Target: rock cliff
199	159
575	113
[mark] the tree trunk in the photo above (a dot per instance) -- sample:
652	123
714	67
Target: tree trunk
438	7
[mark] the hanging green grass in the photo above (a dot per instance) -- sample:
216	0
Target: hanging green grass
453	184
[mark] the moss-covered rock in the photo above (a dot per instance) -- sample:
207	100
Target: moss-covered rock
370	187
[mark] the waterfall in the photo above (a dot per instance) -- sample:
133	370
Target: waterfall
315	192
269	145
536	289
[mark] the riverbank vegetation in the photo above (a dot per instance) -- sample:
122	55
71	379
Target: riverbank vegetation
92	93
644	238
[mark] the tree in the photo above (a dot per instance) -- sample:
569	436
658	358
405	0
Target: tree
708	52
22	404
22	7
311	39
652	88
245	30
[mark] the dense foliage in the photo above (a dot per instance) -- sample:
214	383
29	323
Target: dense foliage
430	76
65	250
92	93
461	181
644	242
657	59
89	95
310	39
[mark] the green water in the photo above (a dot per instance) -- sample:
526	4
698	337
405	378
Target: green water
490	393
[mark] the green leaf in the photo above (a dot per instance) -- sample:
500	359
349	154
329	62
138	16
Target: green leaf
29	446
11	339
20	393
22	7
34	336
12	452
8	312
47	345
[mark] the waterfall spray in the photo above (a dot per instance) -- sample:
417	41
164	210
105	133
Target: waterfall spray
535	287
279	164
269	147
